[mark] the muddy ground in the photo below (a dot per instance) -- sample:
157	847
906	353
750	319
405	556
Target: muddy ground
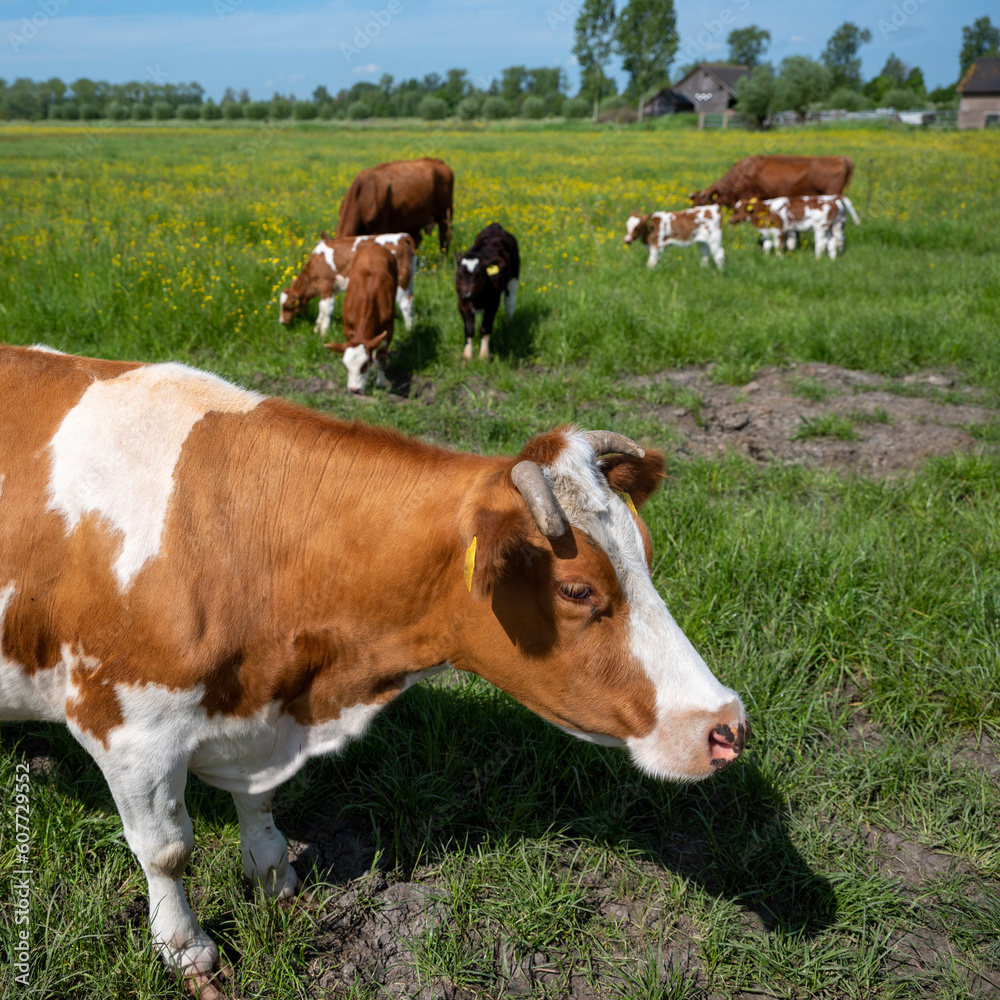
885	426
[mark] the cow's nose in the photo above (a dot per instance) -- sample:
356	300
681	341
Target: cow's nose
725	745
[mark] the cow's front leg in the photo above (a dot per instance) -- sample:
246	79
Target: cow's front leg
404	299
654	256
705	254
325	315
469	320
265	853
489	315
149	793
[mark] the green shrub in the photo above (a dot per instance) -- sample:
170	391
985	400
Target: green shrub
533	107
326	111
281	108
614	102
304	111
163	110
71	111
847	99
468	108
90	112
358	109
232	110
56	111
256	111
189	111
495	108
118	111
576	107
211	111
142	112
901	99
432	109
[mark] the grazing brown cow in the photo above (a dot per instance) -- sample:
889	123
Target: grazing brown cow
368	315
196	577
406	195
328	271
774	176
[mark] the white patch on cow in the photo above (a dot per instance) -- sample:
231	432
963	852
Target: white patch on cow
356	360
45	349
469	263
327	253
681	678
325	315
389	239
115	452
26	697
630	227
404	299
510	297
282	299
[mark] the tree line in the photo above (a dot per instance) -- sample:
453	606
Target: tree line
643	33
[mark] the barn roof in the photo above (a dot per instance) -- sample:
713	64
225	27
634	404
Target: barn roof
982	77
725	74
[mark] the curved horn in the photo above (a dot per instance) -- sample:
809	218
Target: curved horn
608	442
541	501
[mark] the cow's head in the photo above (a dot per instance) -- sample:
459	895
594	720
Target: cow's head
563	613
710	196
637	228
743	210
289	305
358	359
473	275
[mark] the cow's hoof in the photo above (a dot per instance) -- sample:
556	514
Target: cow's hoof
206	986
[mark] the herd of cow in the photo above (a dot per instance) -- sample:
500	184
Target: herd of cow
194	577
387	208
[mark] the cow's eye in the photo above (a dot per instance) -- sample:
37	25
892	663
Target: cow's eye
574	591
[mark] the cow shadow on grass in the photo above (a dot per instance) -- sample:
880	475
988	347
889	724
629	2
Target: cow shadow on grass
460	764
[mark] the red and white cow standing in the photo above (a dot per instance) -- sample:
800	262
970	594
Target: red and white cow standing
196	577
776	219
328	271
368	316
690	225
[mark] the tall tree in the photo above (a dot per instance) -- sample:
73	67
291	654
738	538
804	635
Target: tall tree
755	94
841	55
979	39
595	36
646	39
747	45
802	82
512	81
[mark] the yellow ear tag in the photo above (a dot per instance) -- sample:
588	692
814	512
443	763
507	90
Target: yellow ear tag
470	564
493	269
628	502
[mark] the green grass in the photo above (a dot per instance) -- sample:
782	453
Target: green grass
860	620
832	425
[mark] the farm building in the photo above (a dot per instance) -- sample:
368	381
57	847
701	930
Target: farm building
980	90
710	87
666	102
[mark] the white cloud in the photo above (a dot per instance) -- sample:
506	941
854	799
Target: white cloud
798	39
365	70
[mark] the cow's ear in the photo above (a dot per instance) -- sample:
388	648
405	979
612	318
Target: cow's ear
638	477
692	195
375	342
498	543
458	257
337	348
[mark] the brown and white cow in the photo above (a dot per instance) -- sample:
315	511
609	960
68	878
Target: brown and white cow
328	271
776	219
368	316
689	225
407	195
776	176
196	577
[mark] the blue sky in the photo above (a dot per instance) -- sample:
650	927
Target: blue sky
265	46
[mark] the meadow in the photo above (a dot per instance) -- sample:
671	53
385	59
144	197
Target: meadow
464	848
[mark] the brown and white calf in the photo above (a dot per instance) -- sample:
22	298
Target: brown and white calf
776	219
195	577
368	316
328	271
690	225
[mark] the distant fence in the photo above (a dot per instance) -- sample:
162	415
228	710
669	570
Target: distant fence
926	117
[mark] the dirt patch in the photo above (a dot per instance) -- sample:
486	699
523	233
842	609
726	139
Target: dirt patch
810	414
823	416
